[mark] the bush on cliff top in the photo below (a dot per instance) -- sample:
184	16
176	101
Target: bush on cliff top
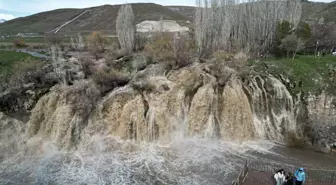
108	79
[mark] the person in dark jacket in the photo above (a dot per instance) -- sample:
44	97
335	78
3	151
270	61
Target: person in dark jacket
289	179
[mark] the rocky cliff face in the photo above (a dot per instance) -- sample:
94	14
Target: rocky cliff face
185	102
322	112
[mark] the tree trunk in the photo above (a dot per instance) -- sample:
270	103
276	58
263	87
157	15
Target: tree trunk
325	103
316	50
294	54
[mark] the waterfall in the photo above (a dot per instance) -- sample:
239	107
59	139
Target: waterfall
185	131
210	131
150	119
273	107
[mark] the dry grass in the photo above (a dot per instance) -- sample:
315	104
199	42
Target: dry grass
223	56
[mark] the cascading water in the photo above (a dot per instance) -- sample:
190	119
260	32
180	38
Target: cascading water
184	134
272	106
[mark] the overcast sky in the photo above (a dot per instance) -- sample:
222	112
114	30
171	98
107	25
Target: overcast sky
10	9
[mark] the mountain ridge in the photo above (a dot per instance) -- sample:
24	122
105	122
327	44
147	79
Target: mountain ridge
100	18
103	18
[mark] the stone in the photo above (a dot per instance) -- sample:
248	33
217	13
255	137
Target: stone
323	146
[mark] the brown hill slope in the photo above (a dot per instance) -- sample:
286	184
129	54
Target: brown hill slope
99	18
103	18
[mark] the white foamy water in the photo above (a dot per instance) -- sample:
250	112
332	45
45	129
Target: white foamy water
108	160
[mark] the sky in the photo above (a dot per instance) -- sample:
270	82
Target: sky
10	9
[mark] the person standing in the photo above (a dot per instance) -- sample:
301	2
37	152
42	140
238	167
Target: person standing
289	179
300	176
279	177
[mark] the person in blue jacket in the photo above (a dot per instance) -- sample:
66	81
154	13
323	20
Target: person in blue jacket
300	176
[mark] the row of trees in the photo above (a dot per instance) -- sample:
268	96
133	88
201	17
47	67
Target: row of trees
228	25
233	25
305	38
253	26
289	39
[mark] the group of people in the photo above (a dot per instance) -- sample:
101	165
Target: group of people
282	178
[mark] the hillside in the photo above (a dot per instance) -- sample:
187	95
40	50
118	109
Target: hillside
102	18
315	11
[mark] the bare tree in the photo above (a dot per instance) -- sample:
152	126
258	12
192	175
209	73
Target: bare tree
235	25
126	28
77	43
59	64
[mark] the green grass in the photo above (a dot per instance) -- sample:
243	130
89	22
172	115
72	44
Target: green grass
40	40
27	39
310	74
8	59
30	40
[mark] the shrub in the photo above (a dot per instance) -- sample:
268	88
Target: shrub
292	140
83	96
19	43
139	62
77	44
223	56
87	66
143	84
237	61
96	43
161	48
221	71
172	49
60	64
107	80
240	60
24	72
291	43
182	48
141	39
115	54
